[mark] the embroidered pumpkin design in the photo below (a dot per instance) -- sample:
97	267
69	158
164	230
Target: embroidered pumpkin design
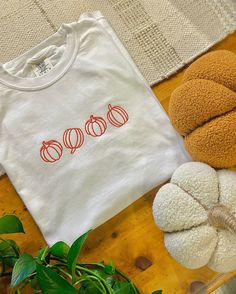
117	116
95	126
73	139
51	151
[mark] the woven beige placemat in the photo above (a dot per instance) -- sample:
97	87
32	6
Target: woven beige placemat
160	35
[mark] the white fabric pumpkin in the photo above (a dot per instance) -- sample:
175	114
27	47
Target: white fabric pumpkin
197	212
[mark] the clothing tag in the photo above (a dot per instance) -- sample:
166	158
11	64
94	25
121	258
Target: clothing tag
42	68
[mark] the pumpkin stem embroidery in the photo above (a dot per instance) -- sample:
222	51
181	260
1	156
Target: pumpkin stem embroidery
45	144
117	116
92	119
220	217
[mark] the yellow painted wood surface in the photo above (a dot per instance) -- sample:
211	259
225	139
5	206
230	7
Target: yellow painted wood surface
128	235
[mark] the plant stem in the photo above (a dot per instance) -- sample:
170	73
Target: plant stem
59	264
96	279
62	271
79	281
8	256
58	259
93	264
118	272
44	253
128	279
100	283
18	290
24	284
123	275
109	289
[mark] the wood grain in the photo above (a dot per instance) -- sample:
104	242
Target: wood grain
129	235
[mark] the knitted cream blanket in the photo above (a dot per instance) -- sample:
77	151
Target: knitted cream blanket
160	35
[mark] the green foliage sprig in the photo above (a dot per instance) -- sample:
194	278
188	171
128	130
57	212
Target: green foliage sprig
55	269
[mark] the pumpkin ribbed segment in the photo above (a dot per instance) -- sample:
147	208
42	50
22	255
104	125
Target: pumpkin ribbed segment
197	102
218	66
215	142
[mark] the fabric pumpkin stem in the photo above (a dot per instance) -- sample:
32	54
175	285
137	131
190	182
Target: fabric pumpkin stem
219	216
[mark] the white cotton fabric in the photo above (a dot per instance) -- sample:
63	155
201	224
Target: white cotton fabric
87	69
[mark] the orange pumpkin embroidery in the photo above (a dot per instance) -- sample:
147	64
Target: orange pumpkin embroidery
95	126
73	139
51	151
117	116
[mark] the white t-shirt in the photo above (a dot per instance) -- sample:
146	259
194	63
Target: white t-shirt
81	134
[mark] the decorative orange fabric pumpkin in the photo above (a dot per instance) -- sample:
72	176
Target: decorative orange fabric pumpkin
51	151
117	116
73	139
95	126
203	109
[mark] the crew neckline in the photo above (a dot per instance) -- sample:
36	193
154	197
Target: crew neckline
66	31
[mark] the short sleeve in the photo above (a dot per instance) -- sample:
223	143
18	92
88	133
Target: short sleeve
2	171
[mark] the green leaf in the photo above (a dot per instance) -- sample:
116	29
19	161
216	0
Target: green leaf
82	290
10	262
60	249
4	246
51	283
10	224
74	252
123	288
34	284
89	290
157	292
110	268
100	272
9	248
11	244
89	286
23	267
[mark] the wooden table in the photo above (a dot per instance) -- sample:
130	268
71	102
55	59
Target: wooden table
129	235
